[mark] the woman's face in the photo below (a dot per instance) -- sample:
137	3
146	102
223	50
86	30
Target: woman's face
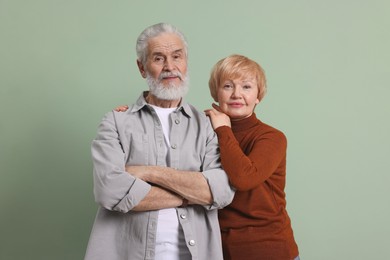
238	97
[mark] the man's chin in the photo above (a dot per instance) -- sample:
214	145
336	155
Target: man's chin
173	89
171	84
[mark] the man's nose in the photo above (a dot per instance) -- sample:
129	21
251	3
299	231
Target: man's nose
168	65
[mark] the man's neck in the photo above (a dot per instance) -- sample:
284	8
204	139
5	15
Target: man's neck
153	100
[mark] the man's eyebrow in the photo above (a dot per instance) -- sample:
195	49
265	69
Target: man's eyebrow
157	53
162	54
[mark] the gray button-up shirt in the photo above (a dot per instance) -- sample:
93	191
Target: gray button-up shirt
135	137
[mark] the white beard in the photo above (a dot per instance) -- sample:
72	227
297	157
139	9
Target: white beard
168	92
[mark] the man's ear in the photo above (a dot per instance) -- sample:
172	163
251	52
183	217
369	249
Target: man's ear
141	69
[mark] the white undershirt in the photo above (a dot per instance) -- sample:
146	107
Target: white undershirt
170	242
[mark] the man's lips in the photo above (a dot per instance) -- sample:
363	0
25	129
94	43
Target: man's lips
171	77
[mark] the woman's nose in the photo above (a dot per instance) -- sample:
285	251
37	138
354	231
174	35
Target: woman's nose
236	93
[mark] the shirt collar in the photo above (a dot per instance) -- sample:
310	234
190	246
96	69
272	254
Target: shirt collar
184	107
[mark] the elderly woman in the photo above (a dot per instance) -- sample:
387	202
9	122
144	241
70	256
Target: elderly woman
256	224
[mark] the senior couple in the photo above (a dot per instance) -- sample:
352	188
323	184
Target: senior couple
176	183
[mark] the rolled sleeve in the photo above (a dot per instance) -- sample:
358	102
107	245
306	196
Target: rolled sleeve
217	179
139	190
222	192
114	188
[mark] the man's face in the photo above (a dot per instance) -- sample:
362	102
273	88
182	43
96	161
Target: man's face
166	67
166	62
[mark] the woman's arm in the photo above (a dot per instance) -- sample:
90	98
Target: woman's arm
265	157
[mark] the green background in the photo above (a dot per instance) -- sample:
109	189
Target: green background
64	64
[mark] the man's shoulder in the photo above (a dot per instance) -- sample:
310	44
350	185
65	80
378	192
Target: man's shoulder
191	110
114	115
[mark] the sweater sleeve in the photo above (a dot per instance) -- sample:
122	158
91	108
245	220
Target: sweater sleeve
261	159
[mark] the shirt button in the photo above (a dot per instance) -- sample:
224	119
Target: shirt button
191	242
177	121
183	216
174	146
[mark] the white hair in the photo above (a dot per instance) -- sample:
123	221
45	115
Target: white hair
153	31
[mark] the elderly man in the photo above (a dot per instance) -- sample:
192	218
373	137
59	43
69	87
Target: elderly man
157	173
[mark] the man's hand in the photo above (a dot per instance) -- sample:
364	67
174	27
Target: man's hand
217	117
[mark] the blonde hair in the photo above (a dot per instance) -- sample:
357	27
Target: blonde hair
235	67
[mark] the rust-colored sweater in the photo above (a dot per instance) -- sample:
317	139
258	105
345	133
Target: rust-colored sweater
256	224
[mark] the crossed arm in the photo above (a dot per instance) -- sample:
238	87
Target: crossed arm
159	198
171	187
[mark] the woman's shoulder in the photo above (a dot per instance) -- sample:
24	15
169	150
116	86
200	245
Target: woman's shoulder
267	129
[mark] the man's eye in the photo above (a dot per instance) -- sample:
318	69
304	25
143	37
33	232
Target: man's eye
158	58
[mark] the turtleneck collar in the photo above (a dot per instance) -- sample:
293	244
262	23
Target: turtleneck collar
245	123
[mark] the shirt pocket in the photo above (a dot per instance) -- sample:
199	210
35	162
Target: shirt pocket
138	149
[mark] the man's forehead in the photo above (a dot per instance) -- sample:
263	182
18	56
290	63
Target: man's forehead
166	43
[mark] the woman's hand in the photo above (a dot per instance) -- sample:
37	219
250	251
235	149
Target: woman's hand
217	117
122	108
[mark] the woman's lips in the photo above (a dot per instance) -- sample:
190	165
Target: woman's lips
235	105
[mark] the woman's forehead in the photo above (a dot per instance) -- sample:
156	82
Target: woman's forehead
239	77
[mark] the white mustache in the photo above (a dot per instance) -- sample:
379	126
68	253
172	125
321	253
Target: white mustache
170	74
